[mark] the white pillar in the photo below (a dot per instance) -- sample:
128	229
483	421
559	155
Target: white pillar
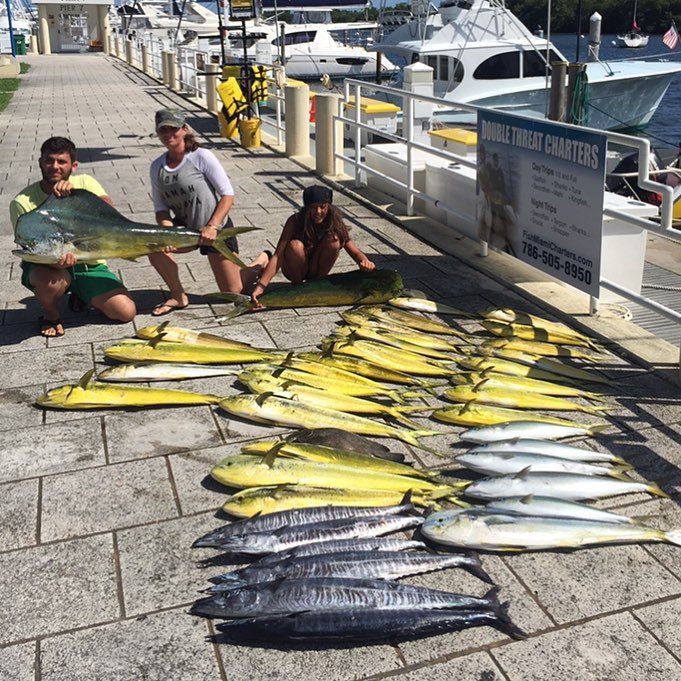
104	27
326	132
212	81
418	78
44	30
297	101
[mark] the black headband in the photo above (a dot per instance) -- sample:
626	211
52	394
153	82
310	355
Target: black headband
317	194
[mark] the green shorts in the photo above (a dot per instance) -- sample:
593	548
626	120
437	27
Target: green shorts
87	281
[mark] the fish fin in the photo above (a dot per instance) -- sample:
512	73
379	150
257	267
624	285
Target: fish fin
479	385
620	473
522	475
598	428
527	499
475	568
260	399
86	379
269	456
238	310
505	625
220	245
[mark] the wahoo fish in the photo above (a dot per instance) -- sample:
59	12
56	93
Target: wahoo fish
366	624
470	414
85	225
517	399
326	593
259	384
346	288
269	499
533	385
351	565
161	371
89	394
548	448
490	531
528	429
569	486
132	350
292	536
296	517
510	463
550	507
243	470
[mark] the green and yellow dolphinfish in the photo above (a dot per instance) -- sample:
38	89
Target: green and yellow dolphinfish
244	470
410	319
90	228
470	414
268	408
271	499
132	350
178	334
346	288
89	394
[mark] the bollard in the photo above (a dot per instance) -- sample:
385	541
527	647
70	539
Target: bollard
594	47
558	91
328	134
166	58
145	59
297	101
128	51
213	71
173	81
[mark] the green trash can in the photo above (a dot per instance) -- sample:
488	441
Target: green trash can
20	43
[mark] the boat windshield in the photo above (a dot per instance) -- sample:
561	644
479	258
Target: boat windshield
508	65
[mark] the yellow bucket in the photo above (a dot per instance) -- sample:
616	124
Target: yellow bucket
249	130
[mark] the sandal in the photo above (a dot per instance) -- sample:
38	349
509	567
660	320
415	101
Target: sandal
166	308
51	328
76	304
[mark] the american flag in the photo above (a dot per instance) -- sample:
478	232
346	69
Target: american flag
671	37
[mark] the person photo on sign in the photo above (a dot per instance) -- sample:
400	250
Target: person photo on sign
311	242
496	215
89	283
190	188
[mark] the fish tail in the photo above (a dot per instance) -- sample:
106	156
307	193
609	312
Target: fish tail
504	624
598	428
220	245
655	489
238	310
673	537
411	438
398	415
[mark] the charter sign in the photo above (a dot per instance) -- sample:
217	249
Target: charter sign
540	195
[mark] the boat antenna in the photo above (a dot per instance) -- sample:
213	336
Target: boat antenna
579	27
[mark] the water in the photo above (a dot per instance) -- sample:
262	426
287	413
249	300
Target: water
663	130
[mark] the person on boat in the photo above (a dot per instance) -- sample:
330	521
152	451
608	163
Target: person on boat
190	188
89	283
311	242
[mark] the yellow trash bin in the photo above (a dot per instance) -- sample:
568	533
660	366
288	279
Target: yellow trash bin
249	130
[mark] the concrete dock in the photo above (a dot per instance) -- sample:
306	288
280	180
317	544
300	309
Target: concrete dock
98	509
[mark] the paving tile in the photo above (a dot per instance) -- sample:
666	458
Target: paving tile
105	498
17	407
19	514
662	619
158	647
61	364
155	432
616	648
17	663
159	569
476	666
47	449
56	587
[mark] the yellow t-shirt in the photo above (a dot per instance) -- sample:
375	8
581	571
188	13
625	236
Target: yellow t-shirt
31	197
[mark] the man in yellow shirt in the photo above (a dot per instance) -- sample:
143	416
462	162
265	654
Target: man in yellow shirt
92	282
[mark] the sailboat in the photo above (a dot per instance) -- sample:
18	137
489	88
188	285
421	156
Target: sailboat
633	37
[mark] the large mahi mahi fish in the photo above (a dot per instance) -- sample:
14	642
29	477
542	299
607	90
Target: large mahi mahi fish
89	227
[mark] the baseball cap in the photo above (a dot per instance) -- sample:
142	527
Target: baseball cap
173	118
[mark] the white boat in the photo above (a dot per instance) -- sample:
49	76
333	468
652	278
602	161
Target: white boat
633	39
482	54
310	51
191	16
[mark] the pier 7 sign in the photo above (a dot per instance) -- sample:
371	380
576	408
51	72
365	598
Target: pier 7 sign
540	195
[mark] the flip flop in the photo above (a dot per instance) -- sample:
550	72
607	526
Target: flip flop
159	310
49	325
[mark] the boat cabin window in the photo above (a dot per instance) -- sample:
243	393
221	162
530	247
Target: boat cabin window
498	67
445	68
296	38
534	64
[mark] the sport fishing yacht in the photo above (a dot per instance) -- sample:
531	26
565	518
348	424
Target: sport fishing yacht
482	54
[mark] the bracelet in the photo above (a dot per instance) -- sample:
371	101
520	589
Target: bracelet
213	226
